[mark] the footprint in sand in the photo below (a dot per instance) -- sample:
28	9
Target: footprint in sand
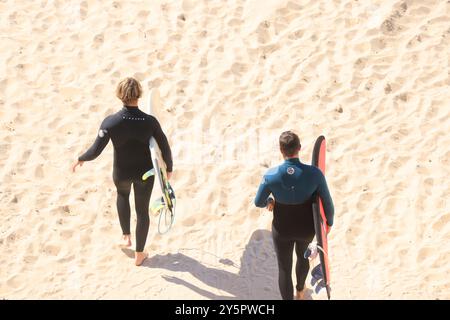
85	240
223	199
106	229
98	40
234	22
4	150
296	35
175	37
51	249
390	26
155	83
189	222
143	14
24	158
188	5
423	254
429	182
442	222
294	6
30	259
66	234
140	76
39	171
238	69
364	200
83	9
183	84
263	32
116	5
13	282
54	123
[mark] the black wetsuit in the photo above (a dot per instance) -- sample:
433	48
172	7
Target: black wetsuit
293	184
130	130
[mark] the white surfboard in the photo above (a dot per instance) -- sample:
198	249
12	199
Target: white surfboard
165	206
154	104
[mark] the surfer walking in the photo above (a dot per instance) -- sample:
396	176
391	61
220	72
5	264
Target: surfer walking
293	186
130	130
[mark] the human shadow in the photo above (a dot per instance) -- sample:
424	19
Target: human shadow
256	277
128	252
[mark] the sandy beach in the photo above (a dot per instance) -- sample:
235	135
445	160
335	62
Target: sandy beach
372	76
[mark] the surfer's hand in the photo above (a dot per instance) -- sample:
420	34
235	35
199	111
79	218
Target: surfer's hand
270	204
76	164
169	175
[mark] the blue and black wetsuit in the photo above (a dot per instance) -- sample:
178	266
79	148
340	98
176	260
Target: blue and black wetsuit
293	185
130	130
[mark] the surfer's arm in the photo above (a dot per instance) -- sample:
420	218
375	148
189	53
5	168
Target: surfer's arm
163	145
327	202
99	144
262	196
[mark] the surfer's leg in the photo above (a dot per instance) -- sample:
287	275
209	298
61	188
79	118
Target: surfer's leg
123	204
302	267
284	249
142	193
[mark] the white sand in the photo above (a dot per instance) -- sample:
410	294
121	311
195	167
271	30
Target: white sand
372	76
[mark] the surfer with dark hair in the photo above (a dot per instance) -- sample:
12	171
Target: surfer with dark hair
130	130
293	186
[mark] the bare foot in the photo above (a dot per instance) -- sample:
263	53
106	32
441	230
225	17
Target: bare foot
300	295
126	241
140	257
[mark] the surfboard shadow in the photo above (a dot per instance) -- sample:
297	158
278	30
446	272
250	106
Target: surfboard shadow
256	277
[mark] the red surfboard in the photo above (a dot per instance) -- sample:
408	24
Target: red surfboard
320	220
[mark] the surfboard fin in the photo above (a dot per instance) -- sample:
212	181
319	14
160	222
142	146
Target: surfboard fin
157	205
307	253
148	174
312	251
320	285
317	272
316	276
317	280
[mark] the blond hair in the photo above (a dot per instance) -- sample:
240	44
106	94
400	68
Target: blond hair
128	89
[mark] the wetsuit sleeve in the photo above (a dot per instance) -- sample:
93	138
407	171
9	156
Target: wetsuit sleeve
262	196
99	144
327	202
163	145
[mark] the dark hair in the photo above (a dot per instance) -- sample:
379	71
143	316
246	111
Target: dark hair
289	143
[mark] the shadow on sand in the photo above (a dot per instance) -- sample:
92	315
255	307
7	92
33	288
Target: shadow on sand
255	279
128	252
